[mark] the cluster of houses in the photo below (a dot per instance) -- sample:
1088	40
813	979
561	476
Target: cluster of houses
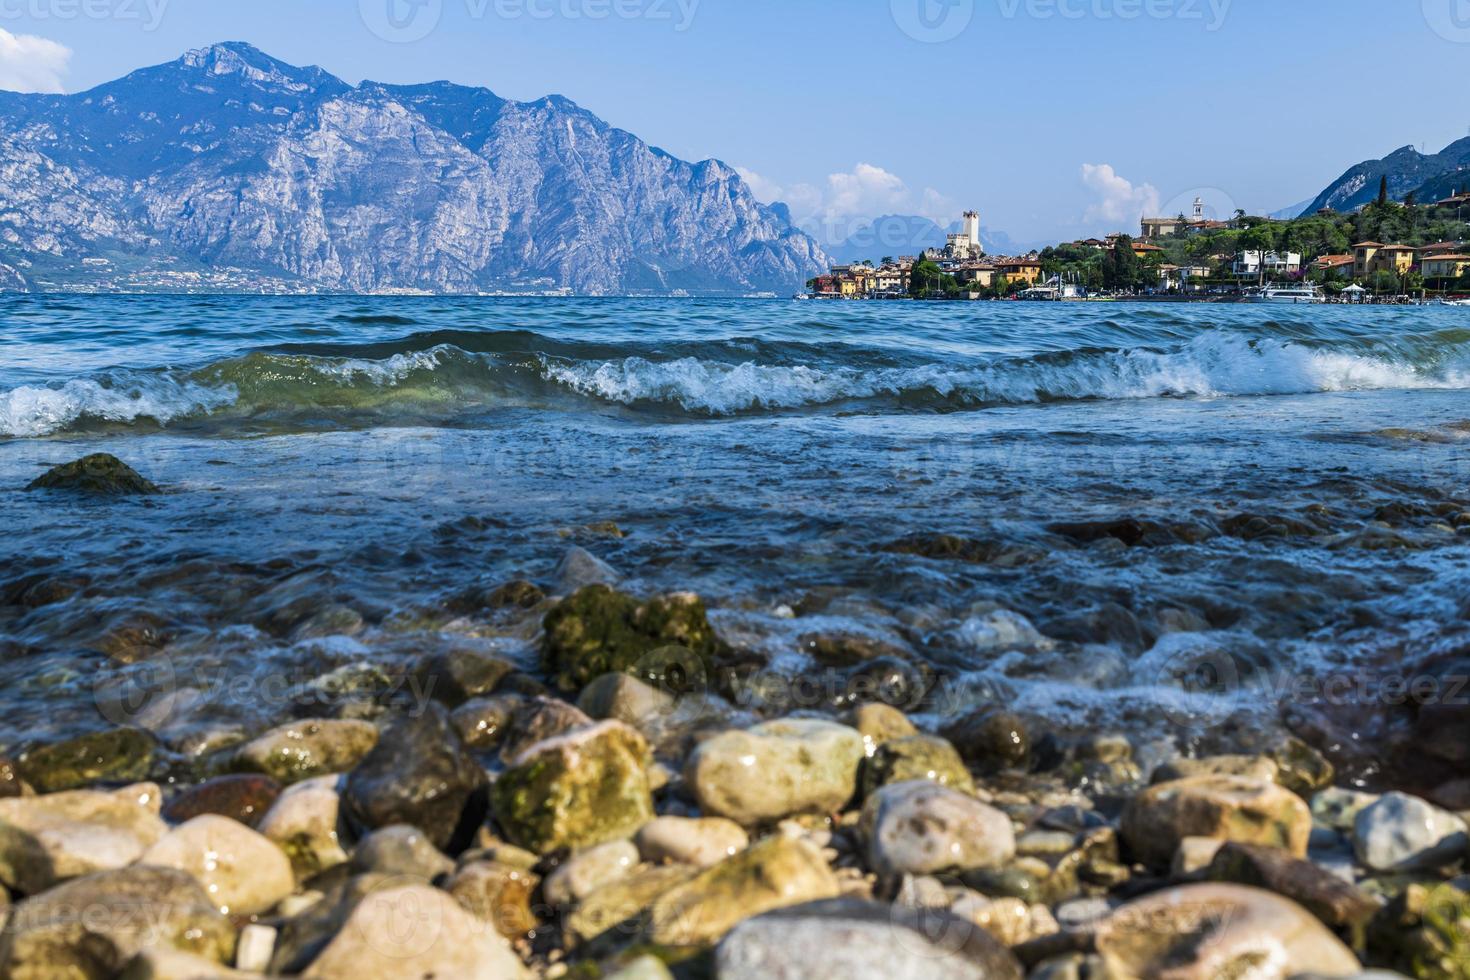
1442	261
962	257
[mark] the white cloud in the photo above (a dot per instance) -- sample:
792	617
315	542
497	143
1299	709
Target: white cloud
1118	199
31	64
846	201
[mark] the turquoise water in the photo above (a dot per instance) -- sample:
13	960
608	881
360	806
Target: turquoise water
340	471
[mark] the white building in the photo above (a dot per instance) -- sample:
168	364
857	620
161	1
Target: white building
966	244
1248	265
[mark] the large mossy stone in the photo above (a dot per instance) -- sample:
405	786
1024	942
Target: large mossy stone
774	873
775	770
120	755
419	774
666	641
88	929
102	474
576	790
1221	807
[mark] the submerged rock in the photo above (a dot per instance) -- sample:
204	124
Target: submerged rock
599	631
88	929
1209	931
48	839
243	871
1222	807
453	677
102	474
991	739
116	755
776	770
580	568
777	872
922	828
624	698
859	940
419	774
307	749
577	790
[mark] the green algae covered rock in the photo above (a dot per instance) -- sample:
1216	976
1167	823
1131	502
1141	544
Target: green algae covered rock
902	760
1422	932
583	788
89	928
304	750
777	872
102	474
666	641
120	755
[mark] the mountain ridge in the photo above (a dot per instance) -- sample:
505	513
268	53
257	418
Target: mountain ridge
1406	169
229	163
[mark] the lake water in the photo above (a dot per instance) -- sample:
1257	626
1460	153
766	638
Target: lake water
342	472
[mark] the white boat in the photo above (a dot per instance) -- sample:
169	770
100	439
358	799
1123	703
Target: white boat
1289	295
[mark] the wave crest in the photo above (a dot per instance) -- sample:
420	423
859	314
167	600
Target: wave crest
444	382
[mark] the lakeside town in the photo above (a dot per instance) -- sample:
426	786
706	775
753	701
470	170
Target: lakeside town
1385	252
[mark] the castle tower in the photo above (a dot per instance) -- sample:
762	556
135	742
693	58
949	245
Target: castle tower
972	227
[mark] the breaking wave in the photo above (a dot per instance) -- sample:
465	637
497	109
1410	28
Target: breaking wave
439	379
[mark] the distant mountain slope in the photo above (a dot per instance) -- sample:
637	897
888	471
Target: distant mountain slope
1406	169
228	159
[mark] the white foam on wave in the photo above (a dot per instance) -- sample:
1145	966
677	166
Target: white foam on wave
1209	367
31	411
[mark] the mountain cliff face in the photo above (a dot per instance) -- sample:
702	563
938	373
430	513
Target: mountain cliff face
228	166
1407	171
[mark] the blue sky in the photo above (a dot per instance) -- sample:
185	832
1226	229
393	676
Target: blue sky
1053	117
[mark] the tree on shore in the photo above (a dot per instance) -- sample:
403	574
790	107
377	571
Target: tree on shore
1382	190
1122	269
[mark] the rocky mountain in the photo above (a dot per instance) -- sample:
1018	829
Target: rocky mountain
228	167
1407	171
